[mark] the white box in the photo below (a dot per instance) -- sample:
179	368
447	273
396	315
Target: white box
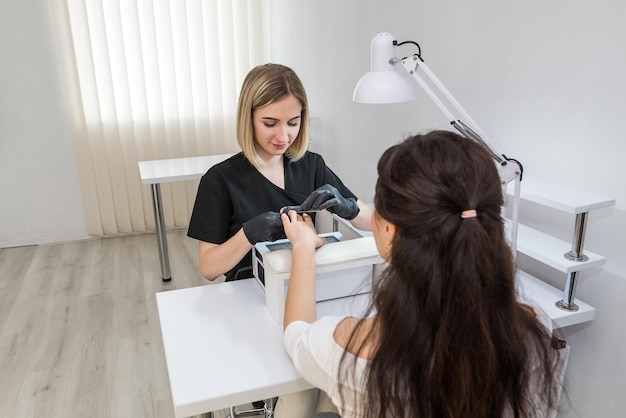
344	268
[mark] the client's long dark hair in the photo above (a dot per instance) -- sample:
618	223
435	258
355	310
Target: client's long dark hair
452	340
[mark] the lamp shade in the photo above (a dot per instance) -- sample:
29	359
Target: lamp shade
384	83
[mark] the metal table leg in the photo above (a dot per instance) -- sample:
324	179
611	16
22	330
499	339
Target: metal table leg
164	257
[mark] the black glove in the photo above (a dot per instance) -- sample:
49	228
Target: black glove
264	227
328	197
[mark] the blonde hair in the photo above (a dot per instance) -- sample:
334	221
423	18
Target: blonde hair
264	85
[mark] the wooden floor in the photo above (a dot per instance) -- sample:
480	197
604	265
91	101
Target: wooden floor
80	335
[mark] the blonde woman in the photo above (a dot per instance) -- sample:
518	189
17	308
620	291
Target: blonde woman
238	200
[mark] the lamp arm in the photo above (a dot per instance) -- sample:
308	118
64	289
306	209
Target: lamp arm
413	73
469	129
508	172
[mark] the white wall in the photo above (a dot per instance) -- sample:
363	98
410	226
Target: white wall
39	195
543	79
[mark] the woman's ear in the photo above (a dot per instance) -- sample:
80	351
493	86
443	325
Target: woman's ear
390	231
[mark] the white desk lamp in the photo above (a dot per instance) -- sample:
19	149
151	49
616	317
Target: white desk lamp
384	84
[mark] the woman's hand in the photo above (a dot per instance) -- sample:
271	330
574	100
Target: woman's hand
300	230
328	197
264	227
300	301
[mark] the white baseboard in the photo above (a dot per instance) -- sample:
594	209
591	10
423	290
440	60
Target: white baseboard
52	239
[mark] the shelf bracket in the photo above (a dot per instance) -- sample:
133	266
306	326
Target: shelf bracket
575	254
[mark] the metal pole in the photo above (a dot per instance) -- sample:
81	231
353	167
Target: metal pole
576	254
164	257
567	303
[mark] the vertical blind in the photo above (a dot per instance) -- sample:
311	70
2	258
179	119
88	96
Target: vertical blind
152	79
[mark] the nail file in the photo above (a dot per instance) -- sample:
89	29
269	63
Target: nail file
286	209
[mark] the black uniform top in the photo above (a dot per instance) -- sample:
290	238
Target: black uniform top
233	192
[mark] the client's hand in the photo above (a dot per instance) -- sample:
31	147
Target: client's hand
300	230
328	197
264	227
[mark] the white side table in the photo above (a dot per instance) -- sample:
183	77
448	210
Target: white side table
156	172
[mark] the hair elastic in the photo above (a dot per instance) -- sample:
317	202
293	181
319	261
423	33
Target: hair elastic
470	213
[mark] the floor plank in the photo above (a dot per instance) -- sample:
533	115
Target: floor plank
80	335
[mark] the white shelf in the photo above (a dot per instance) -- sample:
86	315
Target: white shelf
559	197
546	296
550	250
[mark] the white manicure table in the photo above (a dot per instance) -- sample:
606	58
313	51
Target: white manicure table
223	347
